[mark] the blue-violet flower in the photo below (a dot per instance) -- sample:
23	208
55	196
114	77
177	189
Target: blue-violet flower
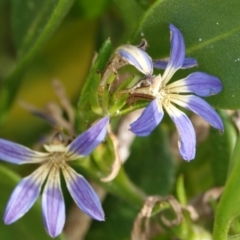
165	96
137	57
52	162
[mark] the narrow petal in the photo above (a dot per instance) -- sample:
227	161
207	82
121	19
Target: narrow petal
200	107
187	143
85	143
187	63
53	206
137	57
83	194
199	83
148	121
18	154
177	54
24	195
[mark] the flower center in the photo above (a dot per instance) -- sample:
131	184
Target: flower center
163	96
58	159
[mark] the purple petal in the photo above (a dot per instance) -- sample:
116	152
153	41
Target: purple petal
18	154
24	195
53	206
148	121
83	194
199	83
137	57
187	143
177	54
85	143
187	63
200	107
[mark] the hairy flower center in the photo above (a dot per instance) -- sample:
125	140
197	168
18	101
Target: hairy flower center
58	159
163	96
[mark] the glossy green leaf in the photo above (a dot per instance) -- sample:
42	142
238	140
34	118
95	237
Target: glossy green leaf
33	23
29	226
211	30
229	206
150	164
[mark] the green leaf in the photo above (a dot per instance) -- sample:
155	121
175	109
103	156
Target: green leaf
94	98
211	30
203	180
220	149
150	164
90	83
37	24
33	23
229	207
129	17
28	227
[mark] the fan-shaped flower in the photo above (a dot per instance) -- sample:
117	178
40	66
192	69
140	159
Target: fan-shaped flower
166	96
55	160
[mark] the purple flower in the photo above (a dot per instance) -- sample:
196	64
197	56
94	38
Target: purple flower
164	95
137	57
56	158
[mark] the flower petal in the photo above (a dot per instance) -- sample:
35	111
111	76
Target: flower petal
24	195
148	121
18	154
177	54
187	143
83	194
53	206
84	144
200	107
199	83
136	57
187	63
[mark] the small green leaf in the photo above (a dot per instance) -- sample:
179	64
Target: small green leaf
29	226
99	65
94	98
211	31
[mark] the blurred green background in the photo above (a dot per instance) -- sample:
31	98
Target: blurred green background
43	40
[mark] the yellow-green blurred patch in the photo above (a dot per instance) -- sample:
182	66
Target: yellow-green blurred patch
67	57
